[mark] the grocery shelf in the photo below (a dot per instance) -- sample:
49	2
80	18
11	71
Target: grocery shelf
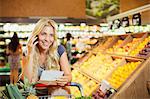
126	59
89	85
135	84
125	56
89	76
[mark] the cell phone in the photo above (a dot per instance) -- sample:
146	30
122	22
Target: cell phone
36	39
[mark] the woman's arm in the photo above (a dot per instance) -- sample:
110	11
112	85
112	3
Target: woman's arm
27	60
66	68
26	69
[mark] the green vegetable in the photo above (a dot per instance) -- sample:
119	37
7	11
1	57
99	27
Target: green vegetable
10	91
16	92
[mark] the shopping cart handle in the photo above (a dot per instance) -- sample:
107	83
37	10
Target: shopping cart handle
73	84
76	85
68	84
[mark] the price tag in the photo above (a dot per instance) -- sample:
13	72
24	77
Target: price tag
104	86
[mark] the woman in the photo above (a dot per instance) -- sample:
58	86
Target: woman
14	51
44	53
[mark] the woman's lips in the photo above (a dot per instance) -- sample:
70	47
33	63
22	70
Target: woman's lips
45	43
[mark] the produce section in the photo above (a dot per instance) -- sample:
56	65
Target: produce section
103	65
108	59
113	60
88	84
139	47
110	48
122	72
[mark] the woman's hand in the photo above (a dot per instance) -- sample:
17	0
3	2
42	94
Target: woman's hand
31	44
62	81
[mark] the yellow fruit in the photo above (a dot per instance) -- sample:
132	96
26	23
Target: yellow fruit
32	97
59	97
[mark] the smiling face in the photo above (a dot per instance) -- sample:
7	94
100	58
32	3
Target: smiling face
46	38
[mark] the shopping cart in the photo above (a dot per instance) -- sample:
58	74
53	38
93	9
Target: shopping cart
73	84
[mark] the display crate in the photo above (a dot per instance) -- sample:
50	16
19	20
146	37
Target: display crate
124	71
136	86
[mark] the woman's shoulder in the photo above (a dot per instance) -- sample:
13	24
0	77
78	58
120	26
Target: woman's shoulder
61	49
61	46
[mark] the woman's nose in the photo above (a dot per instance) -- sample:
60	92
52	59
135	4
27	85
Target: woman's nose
47	37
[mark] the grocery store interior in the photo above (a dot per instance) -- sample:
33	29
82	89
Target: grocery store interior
110	53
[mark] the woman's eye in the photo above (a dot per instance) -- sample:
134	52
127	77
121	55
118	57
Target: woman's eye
51	34
43	33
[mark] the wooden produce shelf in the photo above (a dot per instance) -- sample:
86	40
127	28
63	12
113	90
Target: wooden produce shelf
126	56
124	71
135	87
88	82
128	44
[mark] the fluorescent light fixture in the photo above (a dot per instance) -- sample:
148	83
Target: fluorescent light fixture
103	24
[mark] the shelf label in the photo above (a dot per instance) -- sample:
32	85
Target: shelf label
104	86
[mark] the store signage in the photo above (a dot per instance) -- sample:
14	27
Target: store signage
125	22
136	19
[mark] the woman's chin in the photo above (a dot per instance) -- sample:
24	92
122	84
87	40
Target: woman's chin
45	47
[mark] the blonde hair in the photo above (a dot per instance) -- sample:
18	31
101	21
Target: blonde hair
52	59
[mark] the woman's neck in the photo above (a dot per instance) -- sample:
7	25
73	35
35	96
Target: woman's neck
42	58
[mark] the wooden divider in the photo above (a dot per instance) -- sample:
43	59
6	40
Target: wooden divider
135	87
124	61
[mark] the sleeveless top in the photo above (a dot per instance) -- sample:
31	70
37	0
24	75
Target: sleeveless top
60	50
14	59
54	90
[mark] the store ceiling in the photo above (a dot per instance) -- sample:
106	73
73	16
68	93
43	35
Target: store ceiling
96	12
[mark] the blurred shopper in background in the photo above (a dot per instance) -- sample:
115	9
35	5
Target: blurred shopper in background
44	53
14	52
69	46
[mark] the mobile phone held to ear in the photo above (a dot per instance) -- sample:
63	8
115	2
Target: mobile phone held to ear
36	39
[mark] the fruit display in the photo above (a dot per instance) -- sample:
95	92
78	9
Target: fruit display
125	49
88	84
103	64
103	43
112	66
32	97
90	41
121	73
139	48
115	46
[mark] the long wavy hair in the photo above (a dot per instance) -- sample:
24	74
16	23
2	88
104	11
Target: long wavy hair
13	45
52	58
